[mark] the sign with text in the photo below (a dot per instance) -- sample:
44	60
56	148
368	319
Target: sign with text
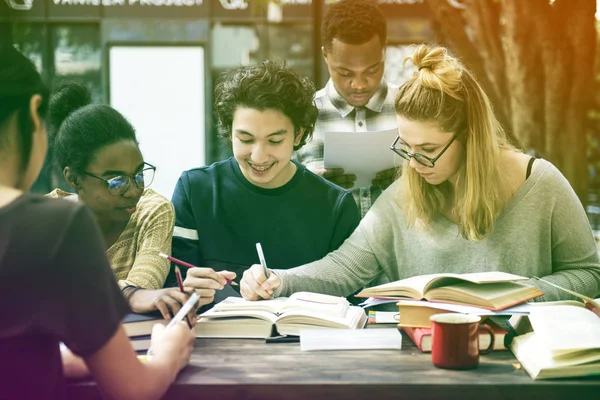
20	9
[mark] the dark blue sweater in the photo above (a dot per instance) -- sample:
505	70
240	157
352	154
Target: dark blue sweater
220	217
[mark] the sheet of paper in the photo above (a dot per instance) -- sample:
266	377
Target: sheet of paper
361	153
350	339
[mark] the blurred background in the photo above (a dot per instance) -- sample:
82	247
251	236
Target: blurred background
157	62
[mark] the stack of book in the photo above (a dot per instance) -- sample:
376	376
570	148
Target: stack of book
484	294
139	327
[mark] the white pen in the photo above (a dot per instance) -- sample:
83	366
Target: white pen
179	316
261	257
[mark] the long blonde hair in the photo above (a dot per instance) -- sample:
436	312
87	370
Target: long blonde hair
444	92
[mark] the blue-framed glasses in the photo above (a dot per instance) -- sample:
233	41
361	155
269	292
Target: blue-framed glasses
119	184
421	159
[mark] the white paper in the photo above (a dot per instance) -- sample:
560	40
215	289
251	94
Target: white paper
350	339
361	153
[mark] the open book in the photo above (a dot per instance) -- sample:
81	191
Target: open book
236	317
492	290
557	341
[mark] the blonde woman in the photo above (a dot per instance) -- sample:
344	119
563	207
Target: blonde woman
467	201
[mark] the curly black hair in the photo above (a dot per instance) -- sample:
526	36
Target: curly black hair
269	85
19	81
353	22
80	129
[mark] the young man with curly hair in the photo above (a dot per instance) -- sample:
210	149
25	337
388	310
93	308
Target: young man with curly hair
264	112
356	98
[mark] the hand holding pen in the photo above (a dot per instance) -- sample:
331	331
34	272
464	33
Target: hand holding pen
205	281
258	282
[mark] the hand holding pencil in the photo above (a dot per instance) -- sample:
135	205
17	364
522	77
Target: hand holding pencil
204	281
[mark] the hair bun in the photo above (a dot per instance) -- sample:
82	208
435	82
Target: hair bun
437	69
66	99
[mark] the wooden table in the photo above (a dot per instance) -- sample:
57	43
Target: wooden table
250	369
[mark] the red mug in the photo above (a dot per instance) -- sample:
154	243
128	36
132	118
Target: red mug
455	340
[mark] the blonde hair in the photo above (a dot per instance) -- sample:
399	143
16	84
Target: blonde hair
444	92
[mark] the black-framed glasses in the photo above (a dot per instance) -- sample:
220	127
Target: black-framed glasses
421	159
119	184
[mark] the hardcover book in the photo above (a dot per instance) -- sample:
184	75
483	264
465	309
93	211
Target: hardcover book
491	290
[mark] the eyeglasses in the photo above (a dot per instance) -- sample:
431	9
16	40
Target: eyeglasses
119	184
421	159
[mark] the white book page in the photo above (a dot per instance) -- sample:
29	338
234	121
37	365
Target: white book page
237	303
566	328
415	283
264	315
491	276
320	303
363	154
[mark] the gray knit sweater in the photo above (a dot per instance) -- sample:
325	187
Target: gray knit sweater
543	231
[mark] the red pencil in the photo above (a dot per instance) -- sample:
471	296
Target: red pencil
180	284
188	265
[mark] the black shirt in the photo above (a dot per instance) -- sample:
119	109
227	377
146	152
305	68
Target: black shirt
220	216
55	285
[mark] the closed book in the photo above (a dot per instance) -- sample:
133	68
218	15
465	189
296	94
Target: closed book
239	318
141	324
491	290
422	337
557	341
416	314
140	343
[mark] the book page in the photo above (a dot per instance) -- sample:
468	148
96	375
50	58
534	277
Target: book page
257	314
321	303
293	322
534	355
413	287
475	277
237	303
566	328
